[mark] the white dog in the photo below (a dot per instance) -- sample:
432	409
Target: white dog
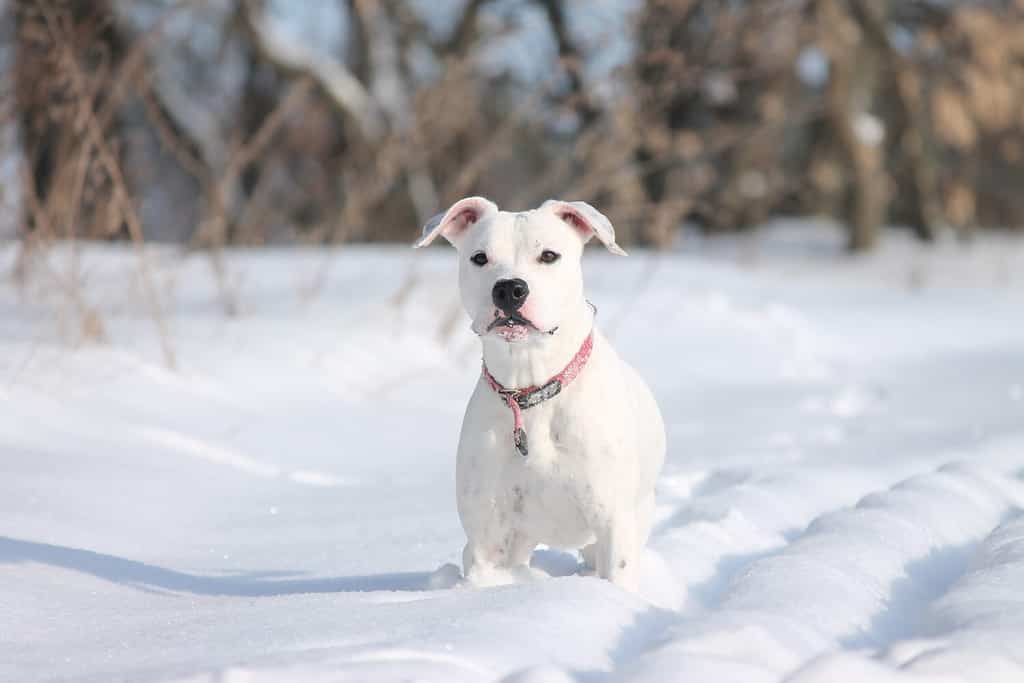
562	441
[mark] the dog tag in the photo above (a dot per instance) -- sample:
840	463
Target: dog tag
520	439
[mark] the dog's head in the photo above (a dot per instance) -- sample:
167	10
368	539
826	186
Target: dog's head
519	273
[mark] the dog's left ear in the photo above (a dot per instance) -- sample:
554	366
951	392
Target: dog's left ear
586	221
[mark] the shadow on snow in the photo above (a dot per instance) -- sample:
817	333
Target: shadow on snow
150	577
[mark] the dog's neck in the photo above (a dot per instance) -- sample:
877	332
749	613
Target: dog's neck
536	360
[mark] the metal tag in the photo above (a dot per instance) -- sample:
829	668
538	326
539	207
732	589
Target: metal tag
521	444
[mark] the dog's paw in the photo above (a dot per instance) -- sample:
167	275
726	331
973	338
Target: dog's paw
486	577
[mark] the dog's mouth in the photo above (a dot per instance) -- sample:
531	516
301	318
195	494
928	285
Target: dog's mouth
510	321
514	327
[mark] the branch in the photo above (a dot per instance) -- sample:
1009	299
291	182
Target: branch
342	88
388	74
136	59
95	136
907	103
572	60
465	29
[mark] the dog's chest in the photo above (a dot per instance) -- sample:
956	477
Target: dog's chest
550	490
562	487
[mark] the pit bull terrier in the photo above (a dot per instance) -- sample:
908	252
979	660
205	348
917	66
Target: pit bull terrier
562	441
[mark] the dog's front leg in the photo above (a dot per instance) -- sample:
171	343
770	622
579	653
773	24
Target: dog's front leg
616	552
475	560
509	549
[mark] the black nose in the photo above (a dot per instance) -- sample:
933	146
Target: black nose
510	295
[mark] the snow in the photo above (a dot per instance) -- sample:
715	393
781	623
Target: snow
812	67
869	129
841	501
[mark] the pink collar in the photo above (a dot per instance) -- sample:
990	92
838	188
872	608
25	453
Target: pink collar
521	399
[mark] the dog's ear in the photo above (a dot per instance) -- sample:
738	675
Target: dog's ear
452	224
586	221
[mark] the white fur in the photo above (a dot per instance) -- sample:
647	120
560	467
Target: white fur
595	449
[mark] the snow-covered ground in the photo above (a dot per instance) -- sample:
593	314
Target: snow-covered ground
841	501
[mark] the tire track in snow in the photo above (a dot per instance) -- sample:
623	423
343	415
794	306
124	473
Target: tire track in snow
718	523
728	519
964	630
985	601
834	585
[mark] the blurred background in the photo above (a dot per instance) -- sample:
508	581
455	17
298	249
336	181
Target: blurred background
249	122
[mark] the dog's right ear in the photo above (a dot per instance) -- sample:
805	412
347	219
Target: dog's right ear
453	223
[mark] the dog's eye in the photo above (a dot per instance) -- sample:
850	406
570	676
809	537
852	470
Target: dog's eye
548	256
479	258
